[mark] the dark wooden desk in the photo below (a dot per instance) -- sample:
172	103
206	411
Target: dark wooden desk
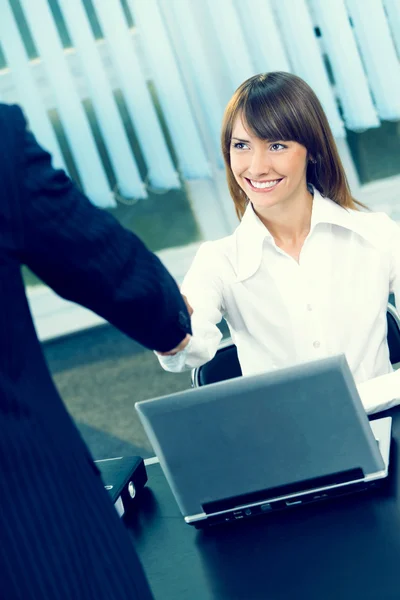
338	550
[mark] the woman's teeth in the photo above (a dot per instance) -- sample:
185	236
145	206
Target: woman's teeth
264	184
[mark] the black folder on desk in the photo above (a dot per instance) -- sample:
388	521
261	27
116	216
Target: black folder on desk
124	477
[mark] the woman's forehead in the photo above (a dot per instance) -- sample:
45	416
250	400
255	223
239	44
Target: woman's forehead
241	128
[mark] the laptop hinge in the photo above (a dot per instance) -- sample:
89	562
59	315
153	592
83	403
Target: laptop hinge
283	490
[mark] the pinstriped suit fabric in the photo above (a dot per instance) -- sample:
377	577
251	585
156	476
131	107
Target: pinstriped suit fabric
60	536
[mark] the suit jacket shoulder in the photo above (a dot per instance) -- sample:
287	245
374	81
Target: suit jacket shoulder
79	250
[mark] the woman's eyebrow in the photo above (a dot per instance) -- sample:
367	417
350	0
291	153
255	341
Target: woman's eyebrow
268	141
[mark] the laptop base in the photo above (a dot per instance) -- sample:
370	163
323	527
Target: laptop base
280	505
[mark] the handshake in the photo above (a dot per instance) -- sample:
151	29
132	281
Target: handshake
185	340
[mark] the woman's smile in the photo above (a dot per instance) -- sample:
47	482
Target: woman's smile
264	186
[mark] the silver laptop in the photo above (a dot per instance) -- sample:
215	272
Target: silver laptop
257	444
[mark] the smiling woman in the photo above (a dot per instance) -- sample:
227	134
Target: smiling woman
279	111
307	272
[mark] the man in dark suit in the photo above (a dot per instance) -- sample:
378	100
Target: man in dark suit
60	536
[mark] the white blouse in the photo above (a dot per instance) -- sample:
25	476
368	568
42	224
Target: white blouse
281	312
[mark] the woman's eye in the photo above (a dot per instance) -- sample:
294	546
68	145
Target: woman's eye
239	145
276	147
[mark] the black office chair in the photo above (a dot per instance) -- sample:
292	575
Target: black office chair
225	364
393	334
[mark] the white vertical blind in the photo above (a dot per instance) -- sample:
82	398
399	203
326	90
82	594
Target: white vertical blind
172	95
161	171
69	106
187	36
123	163
351	83
227	25
18	63
262	36
393	12
379	55
301	44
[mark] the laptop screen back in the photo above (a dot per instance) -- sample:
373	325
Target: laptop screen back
261	432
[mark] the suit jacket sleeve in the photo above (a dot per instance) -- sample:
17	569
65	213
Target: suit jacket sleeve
86	256
203	286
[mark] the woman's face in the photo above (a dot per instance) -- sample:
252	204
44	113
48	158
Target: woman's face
270	172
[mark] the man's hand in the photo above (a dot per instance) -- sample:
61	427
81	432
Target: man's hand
189	308
185	341
178	348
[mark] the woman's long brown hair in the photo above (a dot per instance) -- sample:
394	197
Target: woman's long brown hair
281	106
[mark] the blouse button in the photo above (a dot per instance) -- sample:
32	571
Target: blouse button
309	307
316	344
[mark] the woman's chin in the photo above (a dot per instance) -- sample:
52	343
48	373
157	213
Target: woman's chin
263	202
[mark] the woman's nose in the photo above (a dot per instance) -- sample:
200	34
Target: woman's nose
260	164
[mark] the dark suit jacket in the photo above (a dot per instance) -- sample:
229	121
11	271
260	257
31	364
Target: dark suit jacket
60	536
